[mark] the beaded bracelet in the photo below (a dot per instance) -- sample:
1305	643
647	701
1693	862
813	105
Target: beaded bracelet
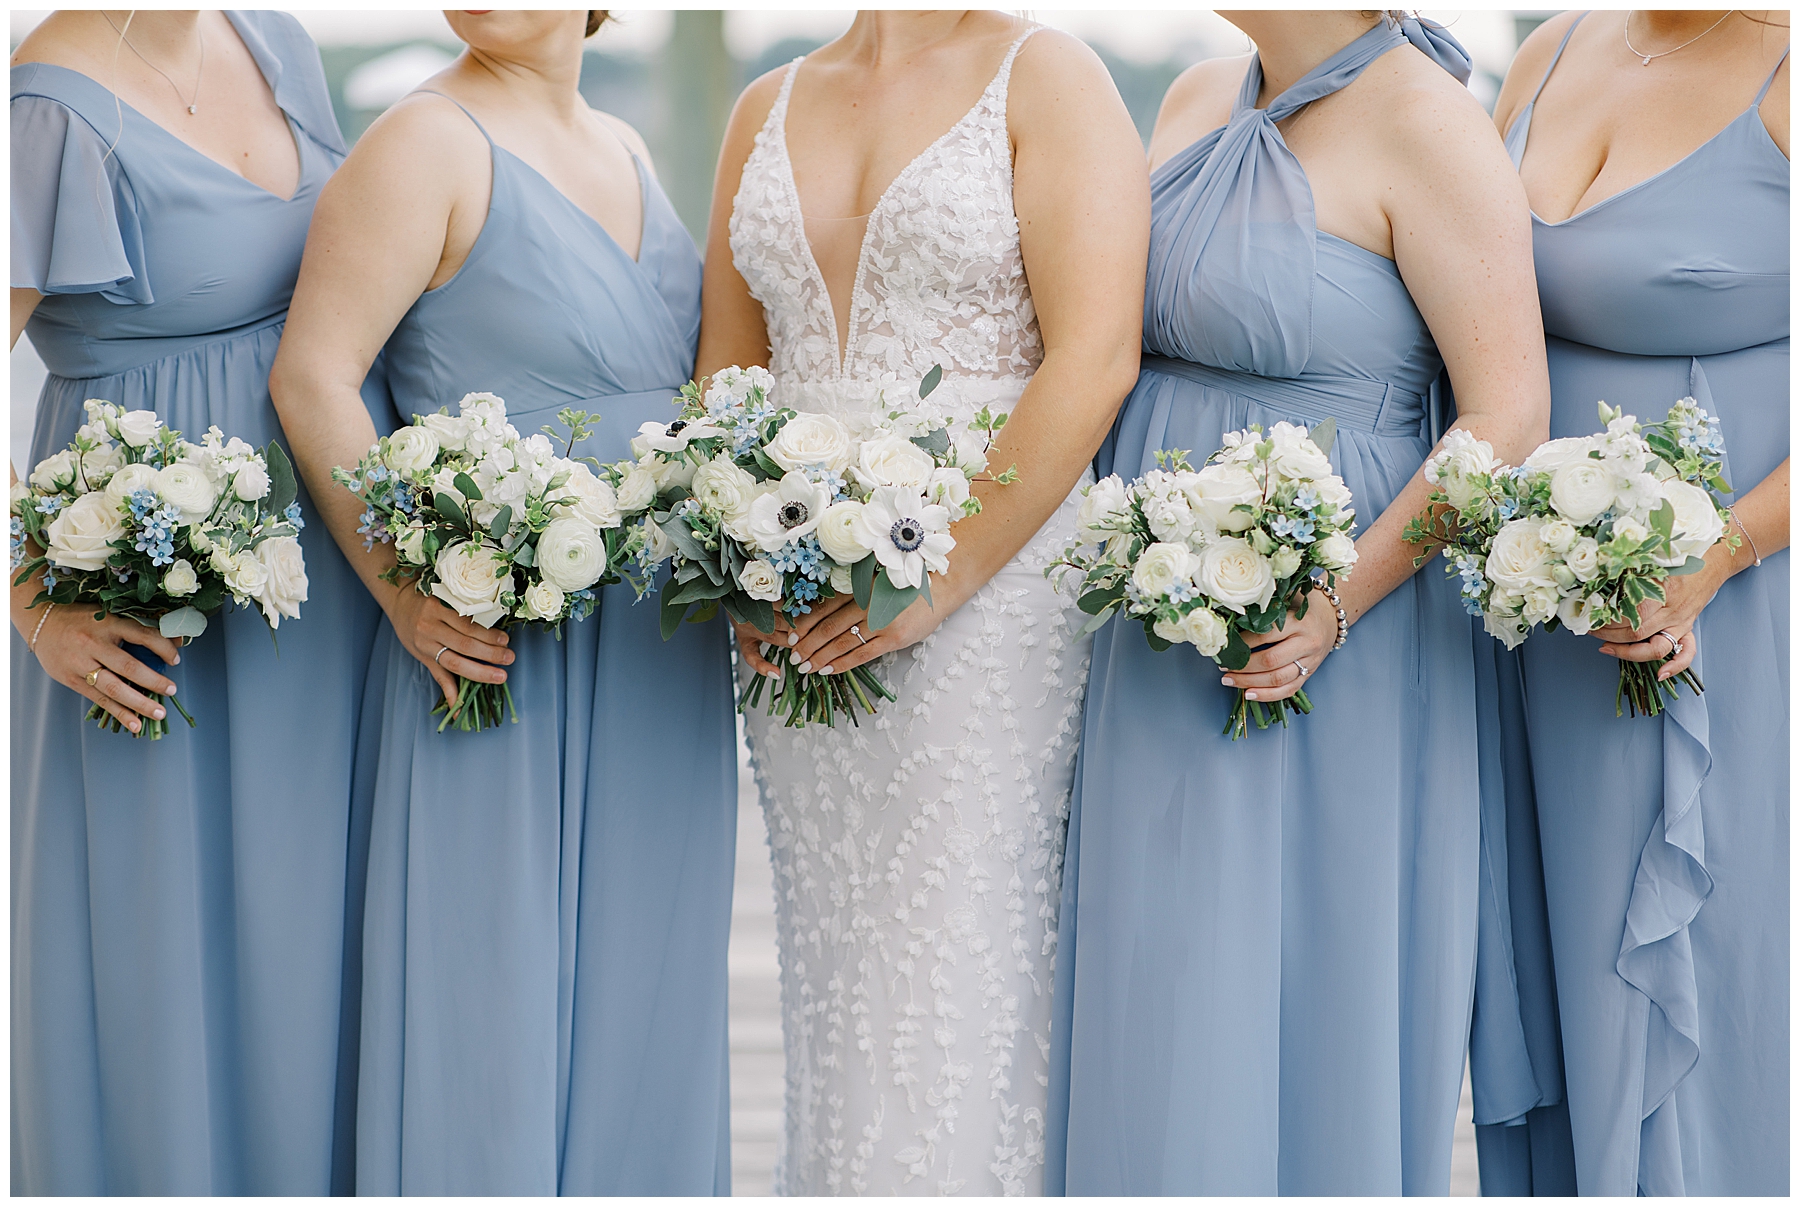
1343	621
32	645
1755	557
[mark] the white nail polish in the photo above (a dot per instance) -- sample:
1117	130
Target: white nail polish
1229	682
806	668
825	670
793	639
1249	695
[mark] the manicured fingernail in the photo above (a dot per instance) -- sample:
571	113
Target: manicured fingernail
793	639
158	713
773	675
169	690
806	668
177	661
134	727
1249	695
825	670
1228	681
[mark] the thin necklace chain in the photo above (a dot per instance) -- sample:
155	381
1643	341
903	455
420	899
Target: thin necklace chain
1659	54
193	106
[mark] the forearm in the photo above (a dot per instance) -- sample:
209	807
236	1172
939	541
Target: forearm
1763	514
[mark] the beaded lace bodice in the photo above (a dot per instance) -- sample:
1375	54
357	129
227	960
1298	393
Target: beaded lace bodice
939	279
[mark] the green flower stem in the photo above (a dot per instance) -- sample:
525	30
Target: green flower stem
814	699
1245	710
477	706
1643	692
151	727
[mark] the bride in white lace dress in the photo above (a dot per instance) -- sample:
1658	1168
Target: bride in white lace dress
932	189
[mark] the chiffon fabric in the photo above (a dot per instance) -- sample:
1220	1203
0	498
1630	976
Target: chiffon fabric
548	902
1267	948
182	918
1632	1034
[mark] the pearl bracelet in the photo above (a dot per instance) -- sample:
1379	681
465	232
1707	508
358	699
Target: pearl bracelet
32	644
1342	620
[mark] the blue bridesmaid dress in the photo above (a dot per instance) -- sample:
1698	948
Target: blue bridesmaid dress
1634	987
1267	946
182	918
544	978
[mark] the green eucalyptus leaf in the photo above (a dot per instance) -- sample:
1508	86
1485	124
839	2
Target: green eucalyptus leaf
1324	434
671	615
936	442
182	622
759	614
1235	654
930	381
862	582
1693	565
464	483
501	523
888	601
284	488
449	509
1662	520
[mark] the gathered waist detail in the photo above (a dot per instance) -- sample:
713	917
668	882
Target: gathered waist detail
146	352
1354	402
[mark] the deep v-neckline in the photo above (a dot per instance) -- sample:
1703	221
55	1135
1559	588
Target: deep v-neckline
293	127
841	343
643	203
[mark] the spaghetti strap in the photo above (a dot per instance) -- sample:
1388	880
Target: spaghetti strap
1757	104
1557	57
466	113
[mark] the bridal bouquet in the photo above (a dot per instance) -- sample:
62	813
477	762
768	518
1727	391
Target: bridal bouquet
1205	556
134	521
497	525
762	509
1584	532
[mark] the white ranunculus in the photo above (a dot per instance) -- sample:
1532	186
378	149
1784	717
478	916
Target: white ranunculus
1169	630
1555	454
1335	552
571	554
1540	604
912	536
1284	561
811	439
1583	558
410	544
1577	612
893	461
843	535
471	579
760	580
1629	529
1558	534
543	601
179	579
1205	630
413	450
637	489
245	575
128	481
138	428
187	488
590	498
1519	560
1161	566
285	591
842	581
450	431
1295	455
1235	575
81	535
1509	628
950	487
790	512
724	489
1458	463
1697	522
55	471
1170	517
251	482
1582	490
1218	489
1099	503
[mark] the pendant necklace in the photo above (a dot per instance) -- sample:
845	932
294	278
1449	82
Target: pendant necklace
194	107
1659	54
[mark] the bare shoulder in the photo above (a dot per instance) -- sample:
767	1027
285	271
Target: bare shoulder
423	141
1197	103
56	42
1057	79
754	103
1528	67
1050	57
1427	119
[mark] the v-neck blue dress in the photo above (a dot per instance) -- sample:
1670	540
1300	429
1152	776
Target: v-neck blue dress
1266	947
180	907
1631	1027
544	979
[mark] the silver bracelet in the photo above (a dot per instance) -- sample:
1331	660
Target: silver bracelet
32	644
1342	620
1755	557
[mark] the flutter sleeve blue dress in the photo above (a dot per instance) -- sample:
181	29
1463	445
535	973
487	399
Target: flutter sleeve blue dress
179	907
549	902
1267	946
1631	1036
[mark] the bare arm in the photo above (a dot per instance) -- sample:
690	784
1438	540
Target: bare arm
732	327
377	242
24	302
1081	193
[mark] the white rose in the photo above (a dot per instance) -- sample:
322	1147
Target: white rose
760	580
1169	517
1580	491
948	487
1284	561
970	449
843	535
413	450
99	464
1160	567
809	439
410	544
1583	558
1295	455
81	534
1335	552
251	482
1235	575
724	489
1630	530
55	471
571	554
138	428
1169	630
543	601
1556	454
198	541
247	577
1540	605
1519	560
1099	502
1697	522
128	481
188	489
1217	489
1577	612
637	489
1507	627
842	581
179	579
1205	631
450	431
471	578
285	591
592	498
893	461
1558	534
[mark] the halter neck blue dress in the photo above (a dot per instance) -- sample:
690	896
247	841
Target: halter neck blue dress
548	904
180	907
1267	947
1633	1001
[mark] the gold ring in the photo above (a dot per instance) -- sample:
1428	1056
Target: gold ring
93	676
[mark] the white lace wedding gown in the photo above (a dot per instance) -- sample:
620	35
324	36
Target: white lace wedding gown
918	857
